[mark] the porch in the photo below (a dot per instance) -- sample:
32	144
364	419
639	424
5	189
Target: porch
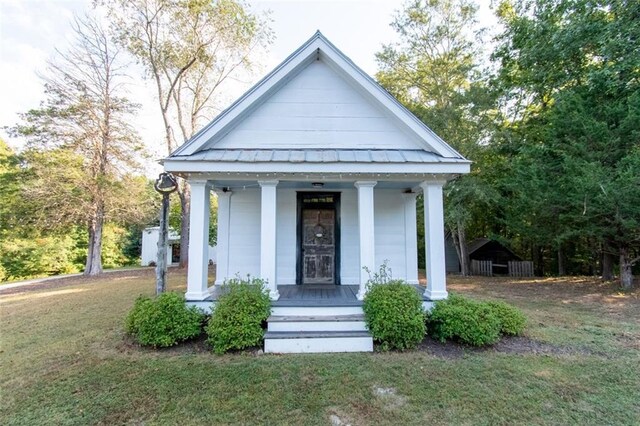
314	295
352	226
315	318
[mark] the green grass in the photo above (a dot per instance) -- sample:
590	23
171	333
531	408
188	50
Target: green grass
65	360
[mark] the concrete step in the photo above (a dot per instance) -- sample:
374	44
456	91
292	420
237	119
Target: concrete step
315	310
317	323
317	341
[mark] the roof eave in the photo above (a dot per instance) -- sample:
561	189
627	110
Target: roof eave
200	166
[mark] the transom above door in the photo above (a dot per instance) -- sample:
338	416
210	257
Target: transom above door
318	238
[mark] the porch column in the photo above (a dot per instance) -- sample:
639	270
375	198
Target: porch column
268	236
366	227
197	271
222	244
434	240
411	237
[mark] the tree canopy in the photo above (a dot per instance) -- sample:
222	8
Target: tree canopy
551	125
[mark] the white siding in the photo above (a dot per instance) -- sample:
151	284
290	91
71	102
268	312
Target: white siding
244	233
317	109
390	231
244	255
349	238
286	236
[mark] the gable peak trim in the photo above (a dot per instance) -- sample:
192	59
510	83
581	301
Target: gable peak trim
313	49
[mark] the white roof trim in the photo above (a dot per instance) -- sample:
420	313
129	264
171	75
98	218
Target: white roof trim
203	166
316	46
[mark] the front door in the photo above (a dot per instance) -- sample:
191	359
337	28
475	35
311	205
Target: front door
318	238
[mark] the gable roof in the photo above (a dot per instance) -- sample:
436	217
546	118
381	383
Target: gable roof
478	243
316	48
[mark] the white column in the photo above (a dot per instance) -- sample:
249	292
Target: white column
222	244
411	237
434	240
268	236
366	228
197	271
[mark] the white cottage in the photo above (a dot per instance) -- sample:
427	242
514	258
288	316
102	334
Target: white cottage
316	169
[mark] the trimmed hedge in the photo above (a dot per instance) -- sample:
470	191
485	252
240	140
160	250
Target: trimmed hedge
164	320
472	322
464	320
394	315
239	314
512	320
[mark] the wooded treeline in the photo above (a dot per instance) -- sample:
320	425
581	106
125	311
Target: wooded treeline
547	108
552	123
76	194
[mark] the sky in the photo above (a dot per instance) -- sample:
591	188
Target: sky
32	30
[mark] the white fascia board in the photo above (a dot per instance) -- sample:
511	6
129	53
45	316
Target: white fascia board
182	166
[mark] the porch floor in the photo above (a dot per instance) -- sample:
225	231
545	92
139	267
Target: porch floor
317	295
314	295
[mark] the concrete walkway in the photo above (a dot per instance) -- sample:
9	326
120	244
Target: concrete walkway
57	277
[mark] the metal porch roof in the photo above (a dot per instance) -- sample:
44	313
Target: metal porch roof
317	156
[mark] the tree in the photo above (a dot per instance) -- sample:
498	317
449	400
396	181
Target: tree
434	71
189	48
569	71
9	186
80	147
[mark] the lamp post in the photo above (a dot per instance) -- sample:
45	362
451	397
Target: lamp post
165	185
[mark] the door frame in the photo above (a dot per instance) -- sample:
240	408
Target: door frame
300	195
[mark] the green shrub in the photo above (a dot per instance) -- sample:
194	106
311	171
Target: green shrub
512	320
464	320
164	320
394	315
239	314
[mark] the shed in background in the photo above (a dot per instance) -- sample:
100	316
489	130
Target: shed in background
481	249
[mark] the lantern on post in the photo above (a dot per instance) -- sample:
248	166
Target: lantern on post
165	185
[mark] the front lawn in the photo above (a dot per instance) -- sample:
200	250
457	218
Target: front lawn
65	360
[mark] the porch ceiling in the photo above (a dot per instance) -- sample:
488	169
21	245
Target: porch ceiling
308	186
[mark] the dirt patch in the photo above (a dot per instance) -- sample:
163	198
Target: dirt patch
511	345
128	345
390	398
446	350
629	340
337	418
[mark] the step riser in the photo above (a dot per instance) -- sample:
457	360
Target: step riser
319	345
316	310
318	326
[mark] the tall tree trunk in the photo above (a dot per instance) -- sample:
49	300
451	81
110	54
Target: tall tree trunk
463	252
561	266
94	254
460	243
607	264
184	192
626	273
